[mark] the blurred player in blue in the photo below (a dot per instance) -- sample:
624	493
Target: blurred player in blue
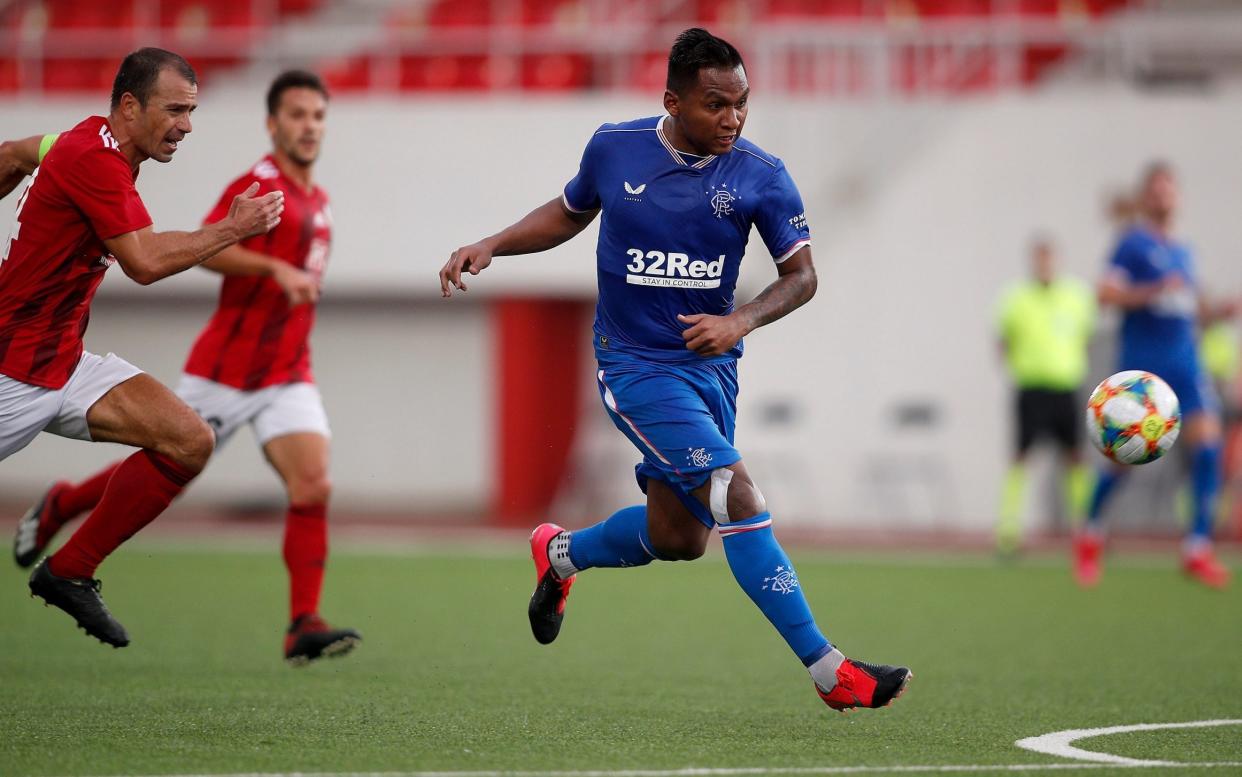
1151	279
679	194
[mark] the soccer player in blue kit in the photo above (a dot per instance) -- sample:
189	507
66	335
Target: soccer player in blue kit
1151	279
679	193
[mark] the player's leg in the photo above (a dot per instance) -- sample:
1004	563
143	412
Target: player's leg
292	427
25	411
61	504
175	445
763	570
1076	477
654	408
1013	490
1204	435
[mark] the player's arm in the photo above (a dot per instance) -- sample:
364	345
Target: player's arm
298	285
1214	311
146	256
18	159
795	284
545	227
1116	289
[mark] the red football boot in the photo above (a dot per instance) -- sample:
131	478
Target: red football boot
1203	566
1087	550
860	684
547	603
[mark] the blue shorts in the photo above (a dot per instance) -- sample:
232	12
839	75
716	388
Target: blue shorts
681	418
1192	385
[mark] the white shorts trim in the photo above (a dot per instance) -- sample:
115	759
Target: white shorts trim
26	410
272	412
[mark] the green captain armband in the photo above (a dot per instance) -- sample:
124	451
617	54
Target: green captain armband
45	145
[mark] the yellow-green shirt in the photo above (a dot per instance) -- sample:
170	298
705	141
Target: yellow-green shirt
1046	330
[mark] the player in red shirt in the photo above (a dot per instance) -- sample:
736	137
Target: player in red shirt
251	363
79	215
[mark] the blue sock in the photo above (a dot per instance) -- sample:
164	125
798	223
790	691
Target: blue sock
621	540
763	571
1105	484
1205	484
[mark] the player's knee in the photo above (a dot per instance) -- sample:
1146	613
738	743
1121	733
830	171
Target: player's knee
310	489
734	497
684	546
192	444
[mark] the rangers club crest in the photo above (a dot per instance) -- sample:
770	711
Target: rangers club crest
783	581
722	199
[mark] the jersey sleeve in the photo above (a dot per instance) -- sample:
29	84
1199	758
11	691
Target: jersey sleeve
1125	261
582	193
781	217
100	184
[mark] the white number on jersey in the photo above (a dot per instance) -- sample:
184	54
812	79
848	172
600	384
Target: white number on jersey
17	225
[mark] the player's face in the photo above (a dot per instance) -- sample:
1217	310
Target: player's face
1160	195
297	128
165	120
1044	263
710	115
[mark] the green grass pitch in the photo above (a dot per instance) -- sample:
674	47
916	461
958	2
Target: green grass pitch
665	667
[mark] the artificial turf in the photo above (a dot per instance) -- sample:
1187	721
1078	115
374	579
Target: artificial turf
665	667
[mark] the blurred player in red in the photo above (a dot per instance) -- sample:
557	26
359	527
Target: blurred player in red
79	215
251	363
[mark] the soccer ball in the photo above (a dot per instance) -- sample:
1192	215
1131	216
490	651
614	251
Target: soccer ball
1133	417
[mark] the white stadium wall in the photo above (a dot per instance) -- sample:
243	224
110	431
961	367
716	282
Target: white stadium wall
882	404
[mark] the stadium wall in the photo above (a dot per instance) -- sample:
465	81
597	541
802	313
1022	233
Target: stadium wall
881	404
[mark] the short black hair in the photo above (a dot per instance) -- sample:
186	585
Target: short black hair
695	49
141	69
292	79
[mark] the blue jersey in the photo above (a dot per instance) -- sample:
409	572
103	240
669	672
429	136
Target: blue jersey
673	232
1163	332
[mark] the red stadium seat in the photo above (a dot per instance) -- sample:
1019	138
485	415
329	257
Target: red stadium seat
347	75
87	14
78	75
10	75
444	73
459	13
556	72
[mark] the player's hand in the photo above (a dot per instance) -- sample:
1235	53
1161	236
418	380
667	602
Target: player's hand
299	286
709	335
473	259
256	215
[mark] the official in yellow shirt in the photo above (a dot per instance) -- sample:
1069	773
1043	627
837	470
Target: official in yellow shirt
1046	324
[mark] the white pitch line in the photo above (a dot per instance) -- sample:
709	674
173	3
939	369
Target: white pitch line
742	772
1059	743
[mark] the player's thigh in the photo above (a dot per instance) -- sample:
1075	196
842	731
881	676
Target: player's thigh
301	461
667	418
1065	421
1199	404
144	413
1027	421
25	410
293	429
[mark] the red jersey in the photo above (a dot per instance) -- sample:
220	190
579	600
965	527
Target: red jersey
255	339
53	261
